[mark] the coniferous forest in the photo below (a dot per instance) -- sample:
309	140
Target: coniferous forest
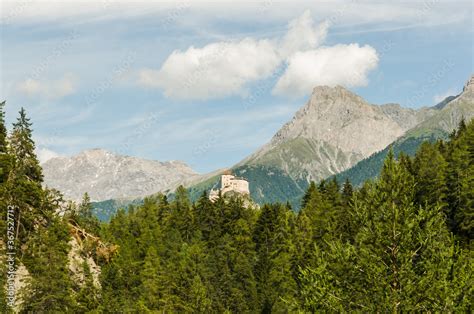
399	243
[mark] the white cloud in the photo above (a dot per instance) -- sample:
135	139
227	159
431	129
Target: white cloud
341	11
50	89
346	65
45	154
303	35
29	86
225	68
216	70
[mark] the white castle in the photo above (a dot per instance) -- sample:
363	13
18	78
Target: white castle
230	183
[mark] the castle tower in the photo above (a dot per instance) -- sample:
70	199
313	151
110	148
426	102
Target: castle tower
230	183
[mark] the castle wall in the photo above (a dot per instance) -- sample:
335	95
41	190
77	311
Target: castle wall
230	183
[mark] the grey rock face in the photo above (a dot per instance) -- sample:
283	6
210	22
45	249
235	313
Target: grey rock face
406	118
105	175
469	87
346	121
448	117
339	129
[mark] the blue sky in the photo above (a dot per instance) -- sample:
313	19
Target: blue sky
210	82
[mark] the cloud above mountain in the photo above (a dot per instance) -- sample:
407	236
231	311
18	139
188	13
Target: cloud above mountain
228	68
216	70
303	35
346	65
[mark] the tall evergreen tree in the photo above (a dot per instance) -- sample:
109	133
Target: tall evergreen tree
402	258
88	297
3	129
460	182
312	187
6	164
50	288
347	191
429	168
275	253
85	216
24	183
23	148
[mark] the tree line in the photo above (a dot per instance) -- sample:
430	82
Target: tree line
401	242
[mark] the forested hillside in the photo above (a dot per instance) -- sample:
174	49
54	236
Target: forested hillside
370	167
400	243
387	246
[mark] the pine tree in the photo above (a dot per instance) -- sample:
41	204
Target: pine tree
85	216
207	219
403	251
401	260
151	292
312	187
429	168
460	182
23	148
275	253
87	297
6	164
24	182
3	129
182	217
325	209
303	244
50	288
347	191
232	256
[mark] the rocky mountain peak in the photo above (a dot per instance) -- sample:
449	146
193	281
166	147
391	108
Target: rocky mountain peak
96	153
469	87
468	91
338	91
335	129
325	97
338	116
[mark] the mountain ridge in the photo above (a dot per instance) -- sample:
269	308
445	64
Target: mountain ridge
450	112
333	132
106	175
339	124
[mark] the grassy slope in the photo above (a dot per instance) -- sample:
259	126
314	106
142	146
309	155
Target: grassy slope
302	158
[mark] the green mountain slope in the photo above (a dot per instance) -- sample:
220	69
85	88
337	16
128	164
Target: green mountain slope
370	167
439	126
106	209
267	184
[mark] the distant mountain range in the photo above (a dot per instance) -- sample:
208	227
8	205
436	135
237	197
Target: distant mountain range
337	133
105	175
